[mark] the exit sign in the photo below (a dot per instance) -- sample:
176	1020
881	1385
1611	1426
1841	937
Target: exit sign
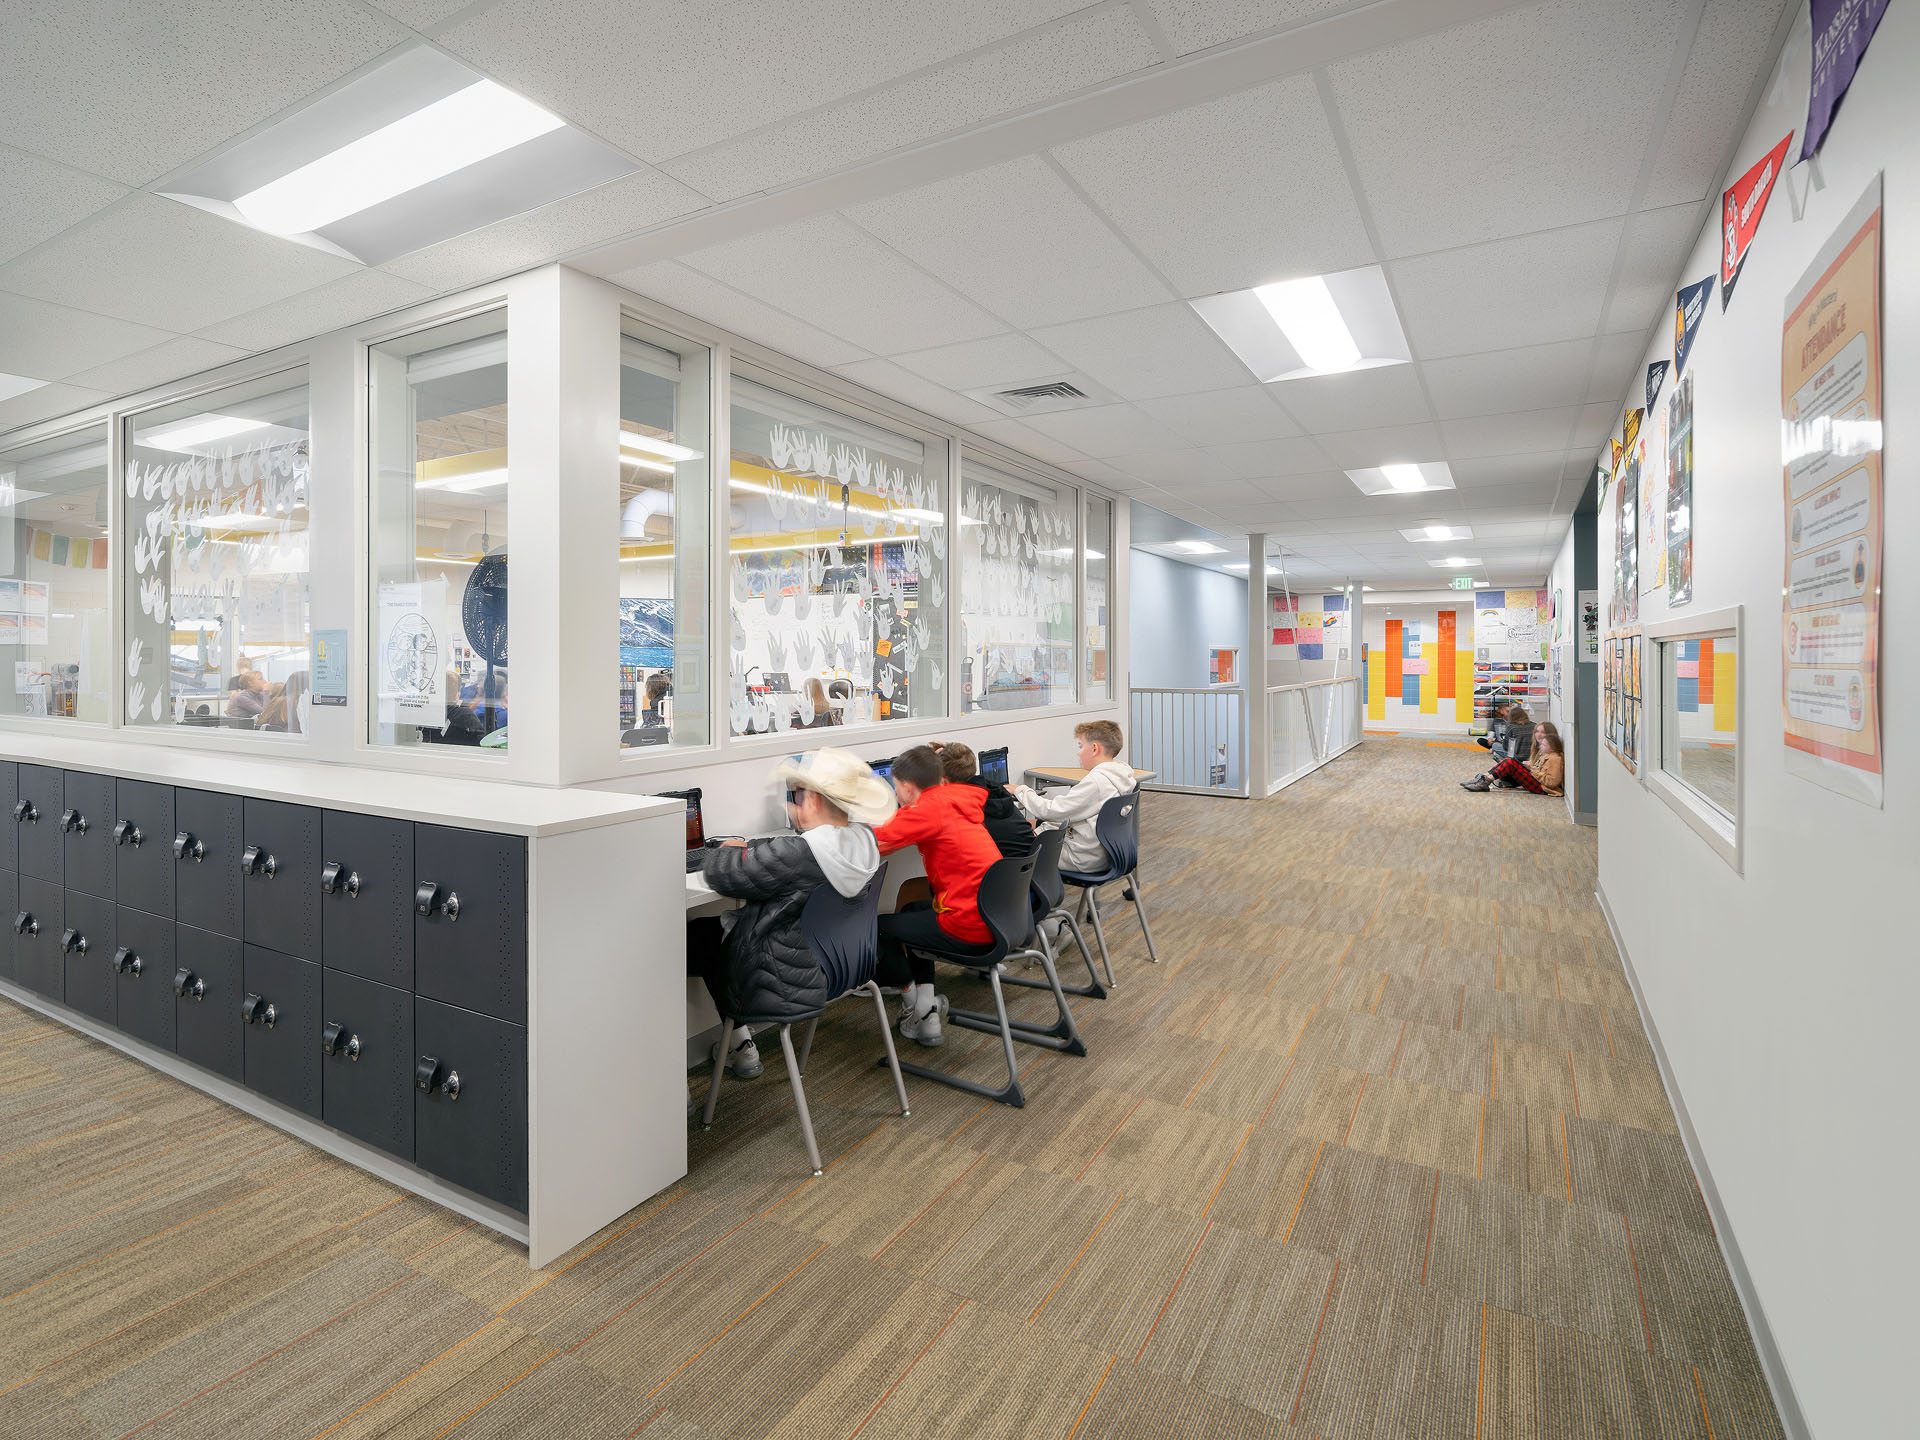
1463	582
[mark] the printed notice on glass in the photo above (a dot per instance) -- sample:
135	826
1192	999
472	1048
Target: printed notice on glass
411	668
1830	387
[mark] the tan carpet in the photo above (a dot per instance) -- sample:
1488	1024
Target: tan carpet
1379	1150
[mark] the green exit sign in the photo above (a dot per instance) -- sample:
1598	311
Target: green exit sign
1463	582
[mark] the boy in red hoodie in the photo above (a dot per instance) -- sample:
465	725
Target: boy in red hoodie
946	822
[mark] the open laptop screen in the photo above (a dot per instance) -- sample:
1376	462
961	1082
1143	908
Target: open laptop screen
993	765
696	819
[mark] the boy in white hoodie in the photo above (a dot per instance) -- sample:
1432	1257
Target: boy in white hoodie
1077	808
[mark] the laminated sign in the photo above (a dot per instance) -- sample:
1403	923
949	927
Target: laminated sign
1740	210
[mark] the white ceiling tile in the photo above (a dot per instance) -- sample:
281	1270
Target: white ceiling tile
604	213
1597	422
1101	473
45	403
1216	494
1530	290
421	14
51	342
1015	238
839	278
1729	48
659	80
1017	435
174	359
1521	433
1657	244
346	301
1103	431
705	298
909	389
1191	25
134	91
1535	117
1245	460
39	199
1031	69
1384	395
1220	417
1384	445
1616	364
1233	193
1264	513
1530	378
998	360
1509	469
165	264
1165	350
1326	486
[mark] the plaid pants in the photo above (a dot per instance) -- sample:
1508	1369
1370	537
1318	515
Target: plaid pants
1518	774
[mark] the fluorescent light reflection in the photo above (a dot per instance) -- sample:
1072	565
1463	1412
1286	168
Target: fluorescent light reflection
1404	477
665	449
464	484
199	431
1305	312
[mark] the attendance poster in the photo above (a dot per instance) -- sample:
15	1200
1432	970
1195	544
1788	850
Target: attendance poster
1831	454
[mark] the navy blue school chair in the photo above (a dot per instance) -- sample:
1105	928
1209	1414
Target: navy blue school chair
1117	828
1050	894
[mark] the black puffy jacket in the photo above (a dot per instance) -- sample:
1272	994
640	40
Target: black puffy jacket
772	974
1006	822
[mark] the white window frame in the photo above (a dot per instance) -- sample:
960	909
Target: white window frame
1724	834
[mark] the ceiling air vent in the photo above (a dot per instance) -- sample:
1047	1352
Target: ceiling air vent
1041	397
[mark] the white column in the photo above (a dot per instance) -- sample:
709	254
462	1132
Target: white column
1259	747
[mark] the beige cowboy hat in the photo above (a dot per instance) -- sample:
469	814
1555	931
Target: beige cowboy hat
843	778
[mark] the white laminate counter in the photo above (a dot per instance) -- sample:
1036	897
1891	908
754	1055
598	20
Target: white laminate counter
477	803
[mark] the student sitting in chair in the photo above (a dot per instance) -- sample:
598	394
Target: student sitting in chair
1009	827
1077	808
945	821
755	960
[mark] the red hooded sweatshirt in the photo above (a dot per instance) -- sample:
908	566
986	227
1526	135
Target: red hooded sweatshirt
946	823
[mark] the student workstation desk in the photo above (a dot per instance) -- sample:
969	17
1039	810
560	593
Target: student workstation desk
1043	777
469	988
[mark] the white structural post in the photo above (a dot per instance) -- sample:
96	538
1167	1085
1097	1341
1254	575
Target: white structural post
1259	747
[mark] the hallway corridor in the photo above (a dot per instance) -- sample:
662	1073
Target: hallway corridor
1379	1150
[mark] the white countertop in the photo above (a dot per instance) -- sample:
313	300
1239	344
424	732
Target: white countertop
479	803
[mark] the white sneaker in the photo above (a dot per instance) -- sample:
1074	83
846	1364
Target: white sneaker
743	1061
924	1029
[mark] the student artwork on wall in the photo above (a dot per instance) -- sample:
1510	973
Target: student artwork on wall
1590	625
1680	493
1624	608
1620	698
1652	521
1830	388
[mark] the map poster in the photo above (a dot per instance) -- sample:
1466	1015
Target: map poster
1830	386
1680	493
411	664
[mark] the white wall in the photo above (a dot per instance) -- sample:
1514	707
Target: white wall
1785	998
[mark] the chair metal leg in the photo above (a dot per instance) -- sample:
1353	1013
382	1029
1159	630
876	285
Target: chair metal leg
886	1035
1060	1035
1093	989
806	1043
719	1069
1099	930
1140	905
800	1097
1080	939
1010	1093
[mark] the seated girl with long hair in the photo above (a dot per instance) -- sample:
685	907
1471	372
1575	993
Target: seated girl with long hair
1544	772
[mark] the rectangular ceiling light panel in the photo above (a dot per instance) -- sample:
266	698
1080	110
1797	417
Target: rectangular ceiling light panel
417	150
1316	325
1436	534
1403	479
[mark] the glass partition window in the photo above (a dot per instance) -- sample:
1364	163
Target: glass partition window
663	539
56	623
1098	541
836	568
1700	730
217	622
1016	591
437	417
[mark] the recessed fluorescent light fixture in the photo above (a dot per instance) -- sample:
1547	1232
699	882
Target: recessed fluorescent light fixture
1455	562
202	430
1198	547
464	484
665	449
1402	478
1481	584
1314	325
1429	534
418	149
1367	588
645	464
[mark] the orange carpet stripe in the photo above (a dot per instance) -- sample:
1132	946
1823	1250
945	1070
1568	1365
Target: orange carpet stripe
1226	1172
1314	1349
1634	1261
1208	1073
1294	1219
1178	1280
916	1360
496	1395
929	1205
1701	1395
1079	1419
728	1327
1091	1237
1110	1134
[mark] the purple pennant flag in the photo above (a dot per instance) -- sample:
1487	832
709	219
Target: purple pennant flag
1842	30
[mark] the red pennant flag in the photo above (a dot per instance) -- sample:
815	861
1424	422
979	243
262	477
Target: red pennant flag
1740	211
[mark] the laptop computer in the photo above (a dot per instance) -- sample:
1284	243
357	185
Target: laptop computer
882	768
993	765
697	844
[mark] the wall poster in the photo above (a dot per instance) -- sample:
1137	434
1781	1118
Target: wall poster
1624	608
1590	625
1831	460
411	664
1653	506
1680	493
1620	698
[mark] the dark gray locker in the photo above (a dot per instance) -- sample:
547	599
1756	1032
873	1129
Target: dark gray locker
206	861
280	872
207	1026
470	1101
143	966
9	908
366	1050
38	918
142	836
366	897
470	920
86	822
87	945
36	812
9	794
280	1009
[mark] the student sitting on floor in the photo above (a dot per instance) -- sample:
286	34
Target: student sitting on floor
945	822
1010	829
1498	740
1077	808
1544	773
756	960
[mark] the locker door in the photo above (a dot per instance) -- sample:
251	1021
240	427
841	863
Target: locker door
38	918
9	908
280	872
43	795
470	1101
280	1010
470	920
206	861
86	823
207	1026
9	836
142	835
143	967
366	897
366	1049
86	947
